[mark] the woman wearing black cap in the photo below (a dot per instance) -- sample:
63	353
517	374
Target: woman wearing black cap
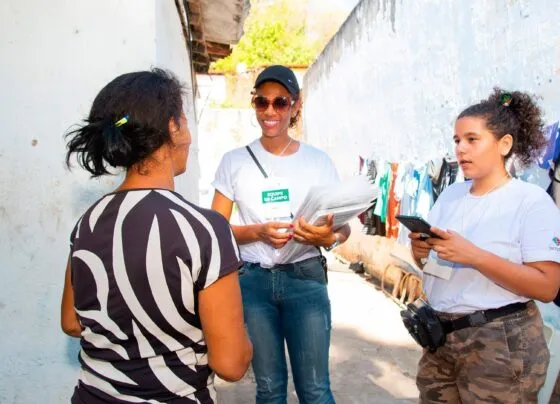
283	301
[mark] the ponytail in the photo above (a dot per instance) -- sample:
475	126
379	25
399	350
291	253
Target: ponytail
129	120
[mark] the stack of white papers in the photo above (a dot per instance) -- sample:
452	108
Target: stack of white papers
343	199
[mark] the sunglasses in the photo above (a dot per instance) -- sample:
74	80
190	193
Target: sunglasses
261	103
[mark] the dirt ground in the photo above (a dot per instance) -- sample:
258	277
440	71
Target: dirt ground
372	359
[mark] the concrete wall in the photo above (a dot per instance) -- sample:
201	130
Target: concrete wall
222	130
171	53
393	79
56	56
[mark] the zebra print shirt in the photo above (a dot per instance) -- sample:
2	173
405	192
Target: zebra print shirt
138	260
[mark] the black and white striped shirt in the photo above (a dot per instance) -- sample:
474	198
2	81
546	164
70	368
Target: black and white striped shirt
139	258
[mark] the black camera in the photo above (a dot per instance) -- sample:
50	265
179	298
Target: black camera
424	325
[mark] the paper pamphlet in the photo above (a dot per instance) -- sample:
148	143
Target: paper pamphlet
341	216
344	199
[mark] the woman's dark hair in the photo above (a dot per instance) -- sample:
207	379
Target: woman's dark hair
515	113
148	100
294	119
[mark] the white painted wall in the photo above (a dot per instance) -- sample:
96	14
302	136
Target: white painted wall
222	130
171	53
392	81
56	56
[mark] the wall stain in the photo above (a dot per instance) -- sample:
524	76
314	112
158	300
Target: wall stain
390	6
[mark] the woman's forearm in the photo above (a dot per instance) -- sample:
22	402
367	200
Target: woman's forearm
523	280
247	234
69	321
343	233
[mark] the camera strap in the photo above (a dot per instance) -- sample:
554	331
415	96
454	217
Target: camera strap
265	175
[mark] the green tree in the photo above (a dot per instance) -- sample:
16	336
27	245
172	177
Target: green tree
275	33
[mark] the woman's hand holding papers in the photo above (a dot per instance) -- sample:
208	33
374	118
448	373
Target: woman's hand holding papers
321	236
275	234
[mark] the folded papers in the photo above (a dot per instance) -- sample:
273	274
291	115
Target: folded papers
344	199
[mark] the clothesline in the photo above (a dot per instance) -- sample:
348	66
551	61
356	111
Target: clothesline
411	189
405	189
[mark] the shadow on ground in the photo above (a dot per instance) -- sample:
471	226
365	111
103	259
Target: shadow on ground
372	358
362	372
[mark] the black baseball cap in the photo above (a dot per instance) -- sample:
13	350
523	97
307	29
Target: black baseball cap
279	74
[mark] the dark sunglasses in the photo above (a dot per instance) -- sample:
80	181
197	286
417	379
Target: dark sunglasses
261	103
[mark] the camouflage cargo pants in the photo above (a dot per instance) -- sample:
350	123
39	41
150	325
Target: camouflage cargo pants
504	361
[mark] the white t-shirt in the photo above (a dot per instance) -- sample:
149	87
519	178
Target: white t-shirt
239	179
517	221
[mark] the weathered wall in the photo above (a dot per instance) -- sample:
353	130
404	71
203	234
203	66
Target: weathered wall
56	56
393	79
223	19
222	130
171	53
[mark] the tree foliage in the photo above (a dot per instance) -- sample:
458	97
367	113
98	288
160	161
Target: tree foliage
275	33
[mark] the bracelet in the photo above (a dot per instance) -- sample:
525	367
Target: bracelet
335	244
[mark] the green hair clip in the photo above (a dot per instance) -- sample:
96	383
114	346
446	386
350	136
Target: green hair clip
506	99
121	121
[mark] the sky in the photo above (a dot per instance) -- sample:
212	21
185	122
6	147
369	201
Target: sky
347	5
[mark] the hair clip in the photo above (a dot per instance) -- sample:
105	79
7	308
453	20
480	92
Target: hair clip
121	121
506	99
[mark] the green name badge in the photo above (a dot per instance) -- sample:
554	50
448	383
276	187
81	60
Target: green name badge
276	196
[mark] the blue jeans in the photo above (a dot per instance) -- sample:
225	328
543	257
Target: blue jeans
288	303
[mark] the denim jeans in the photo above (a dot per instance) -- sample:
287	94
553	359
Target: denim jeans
288	303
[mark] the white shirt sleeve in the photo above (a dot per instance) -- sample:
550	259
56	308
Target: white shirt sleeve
434	213
540	231
330	172
223	181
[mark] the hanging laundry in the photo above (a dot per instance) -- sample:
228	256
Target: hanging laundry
409	193
536	175
368	169
552	150
371	170
551	161
446	176
554	188
392	205
383	182
541	171
372	223
361	166
425	197
434	168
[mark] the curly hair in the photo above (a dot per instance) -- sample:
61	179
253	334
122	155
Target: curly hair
148	100
515	113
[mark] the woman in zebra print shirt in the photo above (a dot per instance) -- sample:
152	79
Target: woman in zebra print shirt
151	284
